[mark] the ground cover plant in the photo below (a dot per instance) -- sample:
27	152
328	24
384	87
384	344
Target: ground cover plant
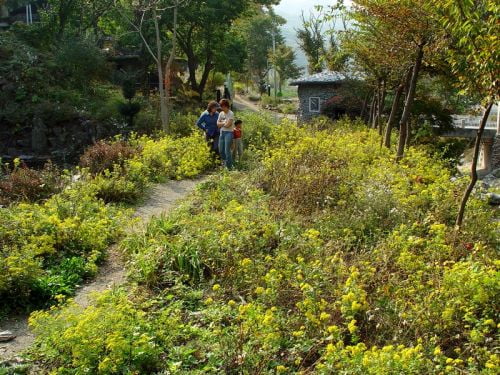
327	257
51	242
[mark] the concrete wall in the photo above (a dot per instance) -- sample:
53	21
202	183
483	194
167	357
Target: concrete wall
324	92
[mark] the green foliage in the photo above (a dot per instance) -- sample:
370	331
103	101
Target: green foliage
182	125
288	108
258	33
328	258
446	149
56	85
257	130
123	341
129	88
46	249
269	101
123	174
472	29
311	40
80	61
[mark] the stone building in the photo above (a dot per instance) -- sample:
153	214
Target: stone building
326	93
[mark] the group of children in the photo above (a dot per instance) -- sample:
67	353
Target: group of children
222	131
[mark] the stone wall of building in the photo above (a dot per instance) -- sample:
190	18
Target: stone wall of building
495	157
306	91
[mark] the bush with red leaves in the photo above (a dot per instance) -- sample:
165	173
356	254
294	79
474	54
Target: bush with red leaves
30	185
106	156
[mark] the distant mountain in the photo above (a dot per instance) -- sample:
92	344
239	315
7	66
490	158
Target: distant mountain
291	10
290	34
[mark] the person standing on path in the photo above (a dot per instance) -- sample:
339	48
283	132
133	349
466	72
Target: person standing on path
226	126
238	142
208	123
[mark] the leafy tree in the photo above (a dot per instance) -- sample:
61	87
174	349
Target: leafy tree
404	31
472	29
258	33
205	33
336	58
284	62
312	41
155	9
129	109
380	57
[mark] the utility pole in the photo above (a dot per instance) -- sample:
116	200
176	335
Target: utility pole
29	14
274	67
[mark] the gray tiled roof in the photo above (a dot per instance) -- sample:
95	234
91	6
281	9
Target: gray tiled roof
324	77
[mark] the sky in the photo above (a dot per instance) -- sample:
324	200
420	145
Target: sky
291	10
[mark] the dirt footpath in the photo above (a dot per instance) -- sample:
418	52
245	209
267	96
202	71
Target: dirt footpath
162	198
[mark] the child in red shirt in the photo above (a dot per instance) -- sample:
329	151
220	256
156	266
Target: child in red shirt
237	141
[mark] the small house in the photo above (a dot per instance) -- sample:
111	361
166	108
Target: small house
326	93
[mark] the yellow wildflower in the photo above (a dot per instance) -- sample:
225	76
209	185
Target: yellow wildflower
246	262
280	368
324	316
259	290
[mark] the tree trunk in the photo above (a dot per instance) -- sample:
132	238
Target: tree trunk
403	124
392	116
192	65
381	108
408	134
159	57
363	109
477	146
372	109
168	70
377	106
204	76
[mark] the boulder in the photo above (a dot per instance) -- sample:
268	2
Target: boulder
494	199
492	180
6	336
39	141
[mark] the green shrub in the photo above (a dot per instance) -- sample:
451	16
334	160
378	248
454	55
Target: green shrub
122	339
37	241
183	125
367	276
287	108
256	130
172	158
80	61
125	170
267	100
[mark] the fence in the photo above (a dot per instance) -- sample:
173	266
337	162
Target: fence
472	122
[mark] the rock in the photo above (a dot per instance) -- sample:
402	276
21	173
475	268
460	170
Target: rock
6	336
39	141
495	173
494	199
492	180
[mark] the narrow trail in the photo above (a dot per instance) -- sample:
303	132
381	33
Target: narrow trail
243	104
162	198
